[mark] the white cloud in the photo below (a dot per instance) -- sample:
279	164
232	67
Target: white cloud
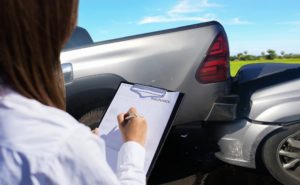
183	7
161	19
237	21
182	12
191	6
290	23
188	11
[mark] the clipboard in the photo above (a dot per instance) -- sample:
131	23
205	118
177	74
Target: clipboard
145	95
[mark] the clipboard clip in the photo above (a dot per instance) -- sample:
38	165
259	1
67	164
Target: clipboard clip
148	91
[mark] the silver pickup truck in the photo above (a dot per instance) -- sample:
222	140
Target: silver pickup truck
236	120
192	59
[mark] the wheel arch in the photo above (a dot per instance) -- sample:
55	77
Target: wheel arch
258	160
84	94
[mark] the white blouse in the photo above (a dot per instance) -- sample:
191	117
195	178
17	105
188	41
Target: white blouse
42	145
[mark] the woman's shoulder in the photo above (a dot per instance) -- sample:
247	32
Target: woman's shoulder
28	125
18	105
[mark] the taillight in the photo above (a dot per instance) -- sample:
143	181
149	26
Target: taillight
215	67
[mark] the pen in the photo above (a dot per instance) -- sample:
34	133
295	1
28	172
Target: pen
130	115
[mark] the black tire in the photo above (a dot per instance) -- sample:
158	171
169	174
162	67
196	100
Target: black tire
88	108
275	159
93	117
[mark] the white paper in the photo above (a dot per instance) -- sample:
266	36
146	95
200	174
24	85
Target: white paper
155	106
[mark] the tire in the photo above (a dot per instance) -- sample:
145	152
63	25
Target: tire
88	108
281	155
93	117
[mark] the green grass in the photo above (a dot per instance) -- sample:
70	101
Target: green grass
236	65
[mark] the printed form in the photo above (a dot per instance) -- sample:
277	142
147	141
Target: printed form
155	105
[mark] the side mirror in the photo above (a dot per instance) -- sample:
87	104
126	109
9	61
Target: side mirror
79	38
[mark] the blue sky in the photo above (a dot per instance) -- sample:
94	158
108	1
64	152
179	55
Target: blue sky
251	25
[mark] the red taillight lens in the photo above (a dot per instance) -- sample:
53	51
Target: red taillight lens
215	67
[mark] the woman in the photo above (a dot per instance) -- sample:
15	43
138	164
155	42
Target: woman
39	142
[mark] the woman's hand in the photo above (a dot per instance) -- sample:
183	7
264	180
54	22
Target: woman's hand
96	131
133	128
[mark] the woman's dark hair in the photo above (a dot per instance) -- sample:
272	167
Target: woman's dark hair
32	34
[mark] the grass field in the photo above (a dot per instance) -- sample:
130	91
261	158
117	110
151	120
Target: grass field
236	65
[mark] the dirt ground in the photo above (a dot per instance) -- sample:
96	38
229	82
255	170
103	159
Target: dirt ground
228	175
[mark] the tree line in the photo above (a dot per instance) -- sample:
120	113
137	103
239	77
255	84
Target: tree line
270	54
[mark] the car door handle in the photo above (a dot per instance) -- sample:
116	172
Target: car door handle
67	70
